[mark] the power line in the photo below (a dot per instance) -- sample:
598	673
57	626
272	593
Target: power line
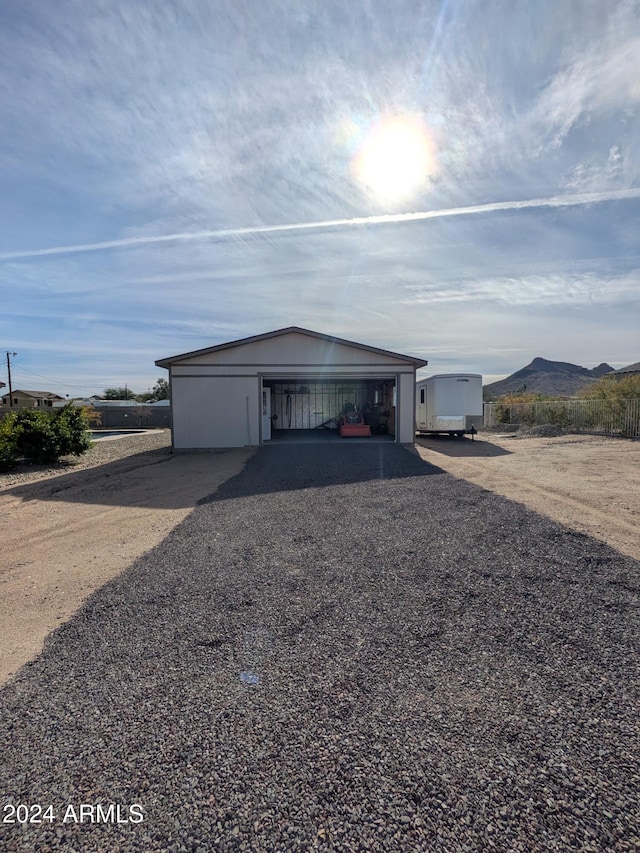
49	379
56	381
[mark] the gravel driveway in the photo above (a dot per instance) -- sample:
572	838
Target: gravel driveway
343	649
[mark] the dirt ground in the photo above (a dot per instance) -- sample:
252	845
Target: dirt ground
66	535
589	483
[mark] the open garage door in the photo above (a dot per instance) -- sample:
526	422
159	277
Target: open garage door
316	405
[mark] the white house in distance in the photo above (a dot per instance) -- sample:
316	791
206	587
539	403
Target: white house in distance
262	388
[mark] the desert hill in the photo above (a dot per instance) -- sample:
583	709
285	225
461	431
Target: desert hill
541	376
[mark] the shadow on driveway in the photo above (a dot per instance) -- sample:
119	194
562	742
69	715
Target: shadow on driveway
293	467
461	447
158	479
61	487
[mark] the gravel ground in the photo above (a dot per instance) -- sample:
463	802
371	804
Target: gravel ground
344	649
101	452
541	431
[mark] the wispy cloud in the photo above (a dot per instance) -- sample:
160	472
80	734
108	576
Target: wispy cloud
557	290
598	82
384	219
591	175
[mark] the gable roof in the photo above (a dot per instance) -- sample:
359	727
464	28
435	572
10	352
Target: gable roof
45	395
167	362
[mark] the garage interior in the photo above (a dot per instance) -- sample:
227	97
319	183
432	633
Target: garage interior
308	409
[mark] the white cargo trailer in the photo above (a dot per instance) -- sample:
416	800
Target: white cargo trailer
449	402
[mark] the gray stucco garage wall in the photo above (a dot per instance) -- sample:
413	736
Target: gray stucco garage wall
216	392
214	411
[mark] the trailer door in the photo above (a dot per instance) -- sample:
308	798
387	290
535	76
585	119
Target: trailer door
421	407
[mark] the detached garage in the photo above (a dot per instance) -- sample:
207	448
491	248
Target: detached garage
291	382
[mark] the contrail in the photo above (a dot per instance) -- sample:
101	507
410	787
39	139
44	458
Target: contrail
388	218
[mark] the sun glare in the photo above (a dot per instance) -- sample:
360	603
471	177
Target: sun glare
396	159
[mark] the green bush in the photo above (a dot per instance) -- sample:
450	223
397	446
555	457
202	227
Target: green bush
8	444
36	438
502	413
72	428
43	437
555	415
518	407
612	387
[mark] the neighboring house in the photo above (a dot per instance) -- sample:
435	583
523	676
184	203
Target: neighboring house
264	387
30	400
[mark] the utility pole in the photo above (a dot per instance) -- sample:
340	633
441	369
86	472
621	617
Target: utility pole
9	355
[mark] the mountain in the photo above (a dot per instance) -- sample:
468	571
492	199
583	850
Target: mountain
555	378
630	368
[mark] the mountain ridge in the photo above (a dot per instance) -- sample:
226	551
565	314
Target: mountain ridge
553	378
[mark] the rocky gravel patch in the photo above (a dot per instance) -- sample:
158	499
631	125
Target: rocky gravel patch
100	453
343	649
541	431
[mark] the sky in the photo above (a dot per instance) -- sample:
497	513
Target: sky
457	181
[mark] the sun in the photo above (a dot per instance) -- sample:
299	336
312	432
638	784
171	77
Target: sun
396	159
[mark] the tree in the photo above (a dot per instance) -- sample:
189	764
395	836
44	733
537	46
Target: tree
119	394
93	416
160	390
141	413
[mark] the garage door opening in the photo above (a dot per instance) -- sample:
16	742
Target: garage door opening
312	409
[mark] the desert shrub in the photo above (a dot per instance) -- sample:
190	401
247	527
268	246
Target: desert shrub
518	407
72	429
93	416
557	415
8	444
527	413
36	438
611	414
501	413
614	388
43	437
